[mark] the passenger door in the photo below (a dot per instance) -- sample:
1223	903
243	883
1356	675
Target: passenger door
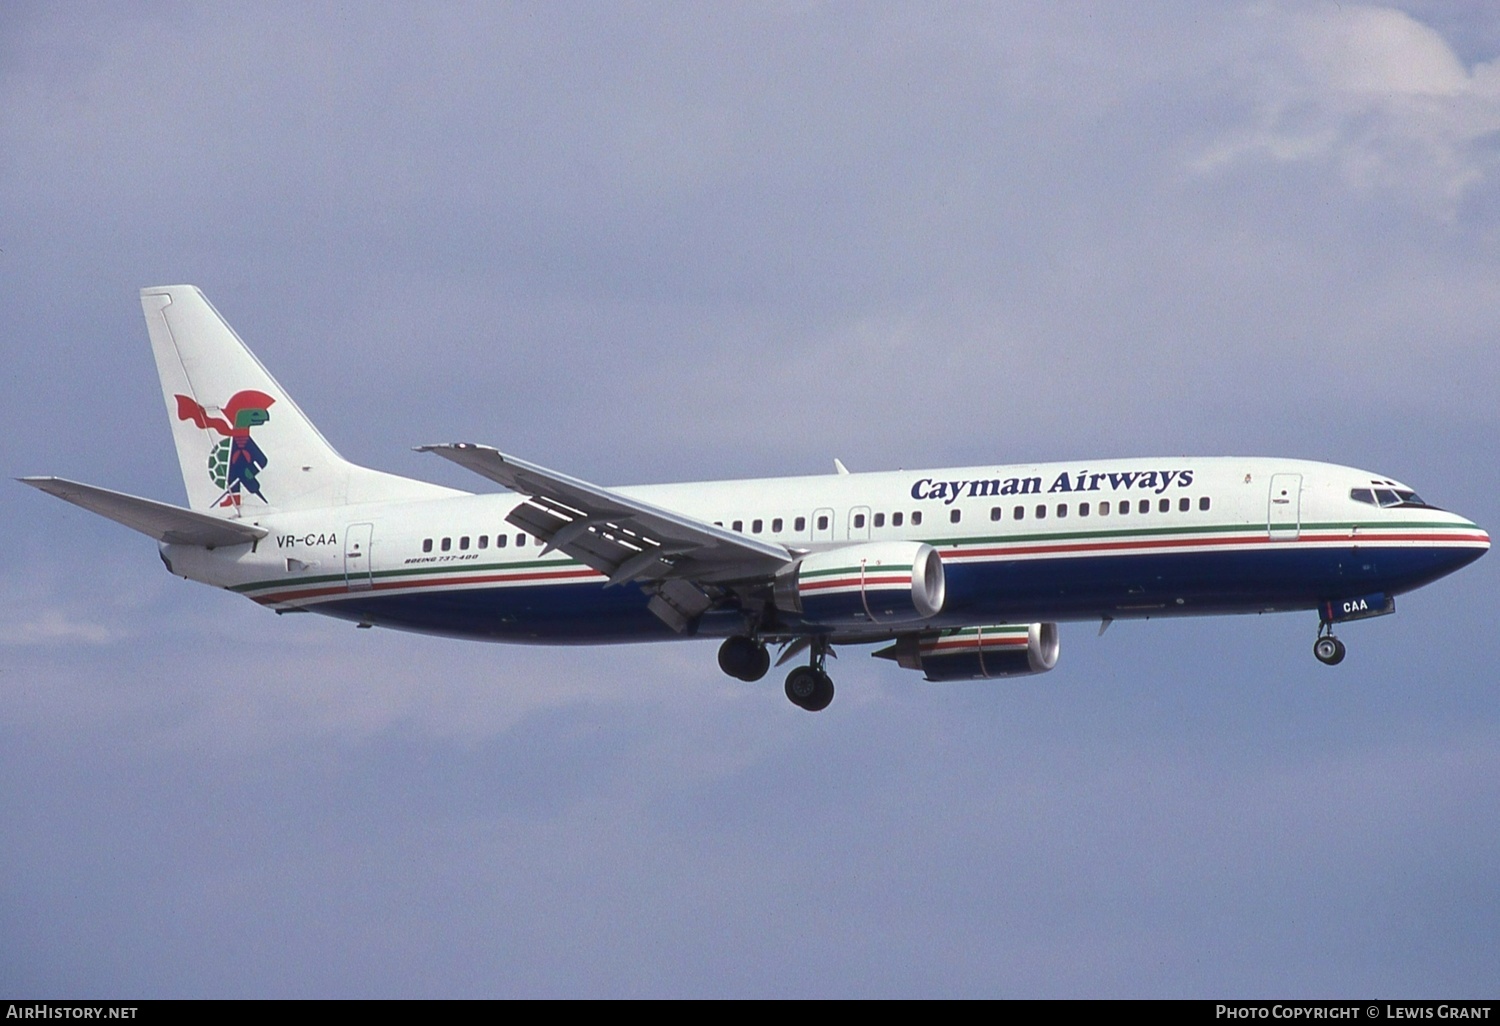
822	525
357	569
859	523
1284	512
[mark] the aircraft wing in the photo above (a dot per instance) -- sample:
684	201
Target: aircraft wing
624	538
160	520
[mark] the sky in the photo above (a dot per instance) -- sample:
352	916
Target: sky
645	242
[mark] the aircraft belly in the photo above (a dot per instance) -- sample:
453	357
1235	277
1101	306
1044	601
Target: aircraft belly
542	614
1183	584
1004	590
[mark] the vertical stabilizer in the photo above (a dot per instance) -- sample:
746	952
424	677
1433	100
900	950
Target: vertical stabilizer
244	446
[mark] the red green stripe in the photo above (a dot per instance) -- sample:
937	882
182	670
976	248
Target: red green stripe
438	582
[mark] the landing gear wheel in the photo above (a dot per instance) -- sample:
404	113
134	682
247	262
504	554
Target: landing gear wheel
1329	650
744	658
809	689
823	696
802	686
762	664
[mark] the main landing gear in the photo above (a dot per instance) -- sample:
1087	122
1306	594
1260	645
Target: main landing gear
809	687
1328	649
744	658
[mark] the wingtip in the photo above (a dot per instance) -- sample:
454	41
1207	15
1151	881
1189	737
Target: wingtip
442	447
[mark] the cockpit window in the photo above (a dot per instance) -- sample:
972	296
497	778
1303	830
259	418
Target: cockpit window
1387	498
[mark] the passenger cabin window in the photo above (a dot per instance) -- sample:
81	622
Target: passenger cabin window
520	540
879	519
1083	509
800	524
823	523
1145	506
995	513
1041	512
776	526
447	544
756	525
859	520
1019	513
1203	503
954	516
484	541
916	518
1124	507
738	525
895	519
1062	509
1104	508
463	542
426	544
1184	504
500	540
1164	506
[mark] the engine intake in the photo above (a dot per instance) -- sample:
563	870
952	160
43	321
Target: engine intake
978	653
879	582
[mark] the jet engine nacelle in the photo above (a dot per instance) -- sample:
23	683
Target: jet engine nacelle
877	582
978	653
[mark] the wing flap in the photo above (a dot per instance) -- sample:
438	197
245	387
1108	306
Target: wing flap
620	536
159	520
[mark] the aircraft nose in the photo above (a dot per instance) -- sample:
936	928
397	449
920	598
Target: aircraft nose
1472	541
1481	536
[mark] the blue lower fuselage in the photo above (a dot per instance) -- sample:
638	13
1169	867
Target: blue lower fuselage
989	591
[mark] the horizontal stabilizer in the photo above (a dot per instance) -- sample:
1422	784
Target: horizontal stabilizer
164	522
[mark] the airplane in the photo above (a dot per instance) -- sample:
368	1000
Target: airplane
961	574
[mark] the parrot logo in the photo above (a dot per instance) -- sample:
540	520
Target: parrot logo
235	461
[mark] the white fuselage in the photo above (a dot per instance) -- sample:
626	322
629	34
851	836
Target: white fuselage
1155	536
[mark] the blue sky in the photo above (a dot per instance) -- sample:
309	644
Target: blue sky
656	242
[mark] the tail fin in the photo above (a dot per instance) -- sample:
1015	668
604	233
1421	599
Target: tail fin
243	444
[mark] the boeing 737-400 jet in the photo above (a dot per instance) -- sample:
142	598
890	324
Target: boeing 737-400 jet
962	573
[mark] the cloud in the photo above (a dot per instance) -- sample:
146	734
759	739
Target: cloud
54	627
39	610
642	244
1372	94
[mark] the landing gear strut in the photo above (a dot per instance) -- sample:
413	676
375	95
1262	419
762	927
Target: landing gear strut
1328	649
744	658
809	687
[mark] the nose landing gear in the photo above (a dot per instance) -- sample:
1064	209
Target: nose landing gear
1328	649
